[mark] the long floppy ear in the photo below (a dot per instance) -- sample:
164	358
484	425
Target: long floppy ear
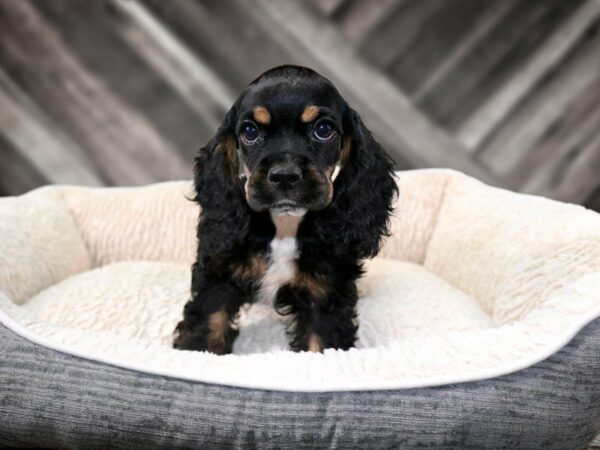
358	216
219	190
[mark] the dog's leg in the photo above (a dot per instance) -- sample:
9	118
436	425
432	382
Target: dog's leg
323	319
208	317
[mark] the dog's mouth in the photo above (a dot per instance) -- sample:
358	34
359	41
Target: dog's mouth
287	207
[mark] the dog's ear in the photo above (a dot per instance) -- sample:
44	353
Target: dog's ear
358	216
220	191
216	172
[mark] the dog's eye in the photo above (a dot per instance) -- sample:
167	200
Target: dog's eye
324	130
249	133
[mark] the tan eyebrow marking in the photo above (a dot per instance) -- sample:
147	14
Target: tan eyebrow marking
262	115
309	114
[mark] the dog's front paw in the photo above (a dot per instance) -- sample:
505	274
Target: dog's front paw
205	336
190	340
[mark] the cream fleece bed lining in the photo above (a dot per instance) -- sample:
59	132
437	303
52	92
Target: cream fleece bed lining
440	316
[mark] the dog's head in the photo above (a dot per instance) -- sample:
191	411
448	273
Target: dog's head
290	144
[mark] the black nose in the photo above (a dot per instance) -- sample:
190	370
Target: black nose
284	176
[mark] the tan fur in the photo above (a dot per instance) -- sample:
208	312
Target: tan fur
309	114
287	225
330	184
316	288
217	327
344	159
314	343
262	115
254	268
329	192
228	149
345	151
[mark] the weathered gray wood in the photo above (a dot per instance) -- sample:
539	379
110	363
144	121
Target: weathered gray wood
359	17
527	126
593	202
328	7
485	24
193	78
544	165
580	179
53	156
485	119
17	175
397	30
492	61
391	113
119	139
94	33
558	175
437	37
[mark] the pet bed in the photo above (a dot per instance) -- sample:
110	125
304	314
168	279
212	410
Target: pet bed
479	328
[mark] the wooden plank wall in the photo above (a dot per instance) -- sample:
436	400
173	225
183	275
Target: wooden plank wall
123	92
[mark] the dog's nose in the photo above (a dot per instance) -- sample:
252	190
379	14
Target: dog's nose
284	176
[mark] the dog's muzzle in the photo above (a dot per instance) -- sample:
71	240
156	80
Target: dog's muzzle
286	183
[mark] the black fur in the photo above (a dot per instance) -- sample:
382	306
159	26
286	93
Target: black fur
336	233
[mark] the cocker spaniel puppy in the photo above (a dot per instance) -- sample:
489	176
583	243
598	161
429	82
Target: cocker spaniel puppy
295	192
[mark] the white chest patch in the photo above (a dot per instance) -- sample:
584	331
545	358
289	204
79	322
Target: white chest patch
284	253
281	270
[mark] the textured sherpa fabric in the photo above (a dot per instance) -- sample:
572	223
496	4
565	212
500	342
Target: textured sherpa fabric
39	244
474	283
145	299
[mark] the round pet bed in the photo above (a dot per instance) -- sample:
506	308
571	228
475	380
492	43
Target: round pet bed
479	328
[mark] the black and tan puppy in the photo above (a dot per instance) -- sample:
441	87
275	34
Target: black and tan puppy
295	192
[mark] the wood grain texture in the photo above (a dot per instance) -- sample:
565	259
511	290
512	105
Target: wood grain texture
500	53
536	116
475	130
397	30
439	35
18	174
29	135
95	34
118	138
542	167
357	18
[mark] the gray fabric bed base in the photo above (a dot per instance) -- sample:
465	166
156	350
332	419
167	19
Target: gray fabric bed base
56	400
